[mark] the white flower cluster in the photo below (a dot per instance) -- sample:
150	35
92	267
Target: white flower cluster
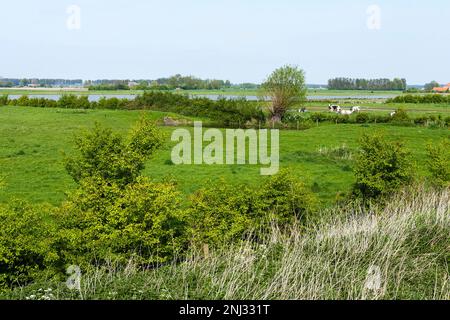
42	294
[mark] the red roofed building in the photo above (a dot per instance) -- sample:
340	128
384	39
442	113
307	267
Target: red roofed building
445	88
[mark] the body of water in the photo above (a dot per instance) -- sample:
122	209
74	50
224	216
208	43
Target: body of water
97	97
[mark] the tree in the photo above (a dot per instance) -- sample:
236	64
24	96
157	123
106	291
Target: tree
431	85
286	87
381	167
438	162
116	213
110	157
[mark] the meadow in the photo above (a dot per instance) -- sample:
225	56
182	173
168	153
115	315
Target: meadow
271	239
33	142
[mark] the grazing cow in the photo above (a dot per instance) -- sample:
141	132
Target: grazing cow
302	110
393	113
334	108
345	112
356	109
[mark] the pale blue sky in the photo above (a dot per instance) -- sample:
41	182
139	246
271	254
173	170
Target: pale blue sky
239	40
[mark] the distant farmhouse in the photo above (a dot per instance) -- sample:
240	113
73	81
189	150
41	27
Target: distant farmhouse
445	88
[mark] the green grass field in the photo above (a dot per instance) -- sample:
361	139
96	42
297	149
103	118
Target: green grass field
33	140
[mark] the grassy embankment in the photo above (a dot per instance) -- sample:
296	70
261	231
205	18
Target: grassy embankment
400	252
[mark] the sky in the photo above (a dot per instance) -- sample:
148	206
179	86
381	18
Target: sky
238	40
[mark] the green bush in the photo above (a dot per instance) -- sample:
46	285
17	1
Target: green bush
428	98
362	117
219	214
105	154
439	162
68	101
27	245
4	99
400	116
382	167
104	221
285	199
115	213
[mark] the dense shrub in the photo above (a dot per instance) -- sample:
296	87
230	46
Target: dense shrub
115	213
319	117
381	168
22	101
104	221
74	102
219	214
377	118
229	112
439	162
4	100
286	200
107	155
400	116
112	103
362	117
428	98
105	87
27	245
226	112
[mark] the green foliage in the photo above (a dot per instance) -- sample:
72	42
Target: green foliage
382	167
219	214
427	98
189	83
430	86
366	84
362	117
106	87
225	112
73	102
104	221
400	116
107	155
144	138
116	213
286	87
27	245
286	199
4	99
439	162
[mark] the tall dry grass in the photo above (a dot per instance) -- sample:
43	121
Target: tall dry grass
399	252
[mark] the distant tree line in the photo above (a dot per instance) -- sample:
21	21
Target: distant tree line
170	83
15	82
366	84
193	83
427	98
108	85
